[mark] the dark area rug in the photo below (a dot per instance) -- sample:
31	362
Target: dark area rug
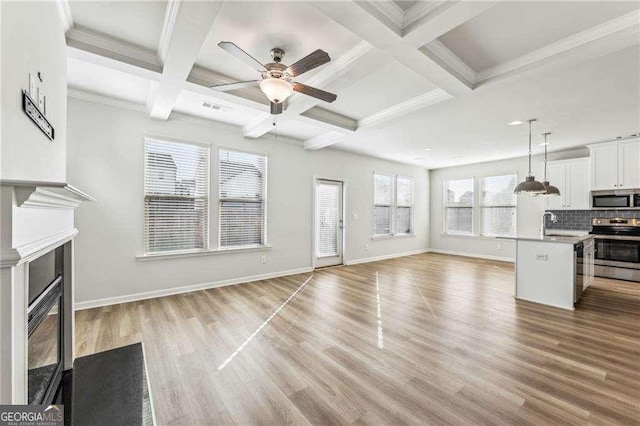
110	388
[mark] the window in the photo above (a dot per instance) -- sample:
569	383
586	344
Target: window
458	203
176	188
404	203
498	205
383	204
393	205
242	199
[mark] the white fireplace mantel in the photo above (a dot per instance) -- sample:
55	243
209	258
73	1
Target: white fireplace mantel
35	218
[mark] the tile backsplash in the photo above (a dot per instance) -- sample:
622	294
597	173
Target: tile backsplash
580	220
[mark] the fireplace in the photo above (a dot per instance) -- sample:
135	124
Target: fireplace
45	325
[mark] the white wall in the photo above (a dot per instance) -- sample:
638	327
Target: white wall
529	208
105	159
33	41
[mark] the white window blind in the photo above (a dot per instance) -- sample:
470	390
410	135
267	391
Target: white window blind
242	199
458	201
498	205
176	188
404	205
383	204
328	220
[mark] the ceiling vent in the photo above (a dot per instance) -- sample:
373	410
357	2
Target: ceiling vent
215	107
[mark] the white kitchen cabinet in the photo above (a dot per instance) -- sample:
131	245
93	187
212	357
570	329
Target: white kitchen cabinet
629	164
571	177
615	165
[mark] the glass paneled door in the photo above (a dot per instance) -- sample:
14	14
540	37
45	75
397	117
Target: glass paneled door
329	222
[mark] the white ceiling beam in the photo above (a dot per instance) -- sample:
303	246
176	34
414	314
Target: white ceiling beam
299	103
442	19
324	140
187	25
359	20
403	108
64	12
625	25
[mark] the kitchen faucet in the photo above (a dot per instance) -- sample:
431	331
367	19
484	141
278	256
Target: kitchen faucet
543	227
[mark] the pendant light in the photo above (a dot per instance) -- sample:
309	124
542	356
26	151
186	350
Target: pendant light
530	185
551	191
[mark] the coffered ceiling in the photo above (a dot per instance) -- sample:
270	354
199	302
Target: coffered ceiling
409	75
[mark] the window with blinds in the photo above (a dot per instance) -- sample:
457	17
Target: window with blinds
498	205
242	198
176	193
328	219
404	205
393	205
383	204
458	201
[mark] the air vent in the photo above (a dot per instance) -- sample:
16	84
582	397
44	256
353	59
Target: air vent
215	107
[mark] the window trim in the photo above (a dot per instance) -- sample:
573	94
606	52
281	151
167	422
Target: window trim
264	199
207	235
393	225
476	215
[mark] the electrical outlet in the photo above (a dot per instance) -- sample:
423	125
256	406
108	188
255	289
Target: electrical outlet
355	216
543	257
366	247
263	259
499	246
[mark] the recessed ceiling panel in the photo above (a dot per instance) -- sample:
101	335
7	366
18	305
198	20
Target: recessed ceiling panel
386	86
583	103
257	27
405	4
138	22
512	29
106	81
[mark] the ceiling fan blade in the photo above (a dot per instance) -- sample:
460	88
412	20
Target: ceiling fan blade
234	86
242	55
316	93
276	108
309	62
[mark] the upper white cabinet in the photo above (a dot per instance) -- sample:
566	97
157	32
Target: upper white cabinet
615	165
571	177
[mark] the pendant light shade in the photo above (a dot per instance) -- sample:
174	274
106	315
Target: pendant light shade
550	190
530	185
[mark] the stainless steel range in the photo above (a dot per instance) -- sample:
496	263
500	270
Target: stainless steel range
617	248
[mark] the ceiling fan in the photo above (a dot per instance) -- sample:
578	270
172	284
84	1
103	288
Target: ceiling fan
277	79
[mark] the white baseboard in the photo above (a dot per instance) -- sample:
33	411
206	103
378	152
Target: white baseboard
184	289
475	255
384	257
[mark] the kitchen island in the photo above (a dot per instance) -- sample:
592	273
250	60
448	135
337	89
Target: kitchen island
553	270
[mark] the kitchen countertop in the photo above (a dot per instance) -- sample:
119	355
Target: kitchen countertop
554	236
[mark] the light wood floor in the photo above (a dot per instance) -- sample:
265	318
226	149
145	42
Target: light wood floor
456	349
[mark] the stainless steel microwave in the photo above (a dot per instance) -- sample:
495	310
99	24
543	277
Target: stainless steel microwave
616	200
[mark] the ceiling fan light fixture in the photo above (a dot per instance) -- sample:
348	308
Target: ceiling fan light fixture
276	89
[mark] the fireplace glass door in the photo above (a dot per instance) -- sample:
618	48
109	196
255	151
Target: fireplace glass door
45	345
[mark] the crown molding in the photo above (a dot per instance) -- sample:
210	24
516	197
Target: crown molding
33	250
450	59
403	108
168	26
67	198
64	11
624	22
419	10
104	100
388	9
